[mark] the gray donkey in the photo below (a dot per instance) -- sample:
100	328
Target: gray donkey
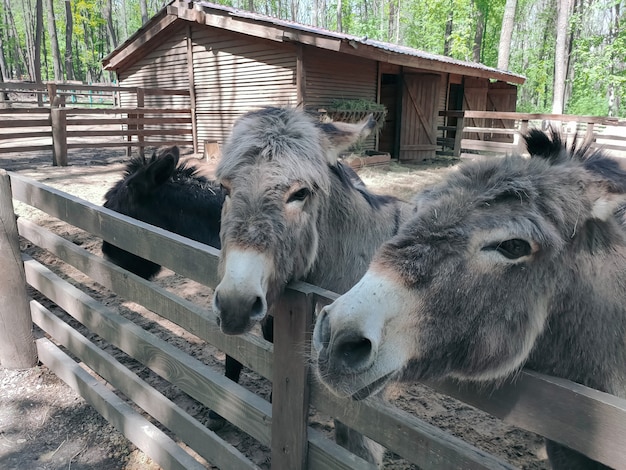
294	212
509	263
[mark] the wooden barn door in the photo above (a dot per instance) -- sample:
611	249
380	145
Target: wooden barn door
418	133
501	97
475	99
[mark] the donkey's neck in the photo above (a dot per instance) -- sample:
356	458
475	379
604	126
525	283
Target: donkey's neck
351	227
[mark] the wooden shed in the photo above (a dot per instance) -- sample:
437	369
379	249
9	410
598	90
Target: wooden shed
234	61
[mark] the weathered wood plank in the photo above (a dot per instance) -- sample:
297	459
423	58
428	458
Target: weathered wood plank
293	316
191	431
543	404
252	351
181	254
423	444
121	143
23	123
26	148
26	135
487	146
17	347
122	132
136	428
240	407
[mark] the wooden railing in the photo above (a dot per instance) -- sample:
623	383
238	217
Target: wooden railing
471	133
61	117
534	402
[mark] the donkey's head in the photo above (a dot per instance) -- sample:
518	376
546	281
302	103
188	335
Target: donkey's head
275	170
467	286
166	194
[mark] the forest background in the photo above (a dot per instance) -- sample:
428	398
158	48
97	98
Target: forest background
572	52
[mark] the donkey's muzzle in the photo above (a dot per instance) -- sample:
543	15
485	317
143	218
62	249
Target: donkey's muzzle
237	314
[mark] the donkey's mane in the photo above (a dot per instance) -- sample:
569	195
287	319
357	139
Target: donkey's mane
376	201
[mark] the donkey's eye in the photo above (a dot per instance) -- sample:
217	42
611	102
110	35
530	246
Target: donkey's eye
225	190
511	249
299	195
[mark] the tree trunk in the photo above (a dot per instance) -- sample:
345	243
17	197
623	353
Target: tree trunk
448	35
144	11
108	16
69	27
478	36
37	39
504	48
54	43
560	55
339	15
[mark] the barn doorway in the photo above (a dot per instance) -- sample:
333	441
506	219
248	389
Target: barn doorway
388	139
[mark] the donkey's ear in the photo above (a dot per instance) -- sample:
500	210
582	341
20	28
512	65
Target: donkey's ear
171	152
342	135
610	185
154	175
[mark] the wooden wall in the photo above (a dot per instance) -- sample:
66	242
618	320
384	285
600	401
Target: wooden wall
235	74
165	66
331	75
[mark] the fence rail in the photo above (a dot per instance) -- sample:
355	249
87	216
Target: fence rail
60	117
534	402
470	133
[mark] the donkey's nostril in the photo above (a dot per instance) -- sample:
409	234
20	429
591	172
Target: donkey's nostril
354	352
216	301
258	308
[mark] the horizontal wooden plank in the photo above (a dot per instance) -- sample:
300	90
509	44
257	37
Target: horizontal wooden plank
610	137
26	135
579	417
24	111
150	439
252	351
489	130
122	143
126	132
26	148
486	145
244	409
187	428
126	121
136	111
4	123
423	444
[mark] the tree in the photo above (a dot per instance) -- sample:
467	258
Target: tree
560	55
69	29
504	47
54	43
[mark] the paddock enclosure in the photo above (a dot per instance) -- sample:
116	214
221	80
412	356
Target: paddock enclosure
58	117
88	332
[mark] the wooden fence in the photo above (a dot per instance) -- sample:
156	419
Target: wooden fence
581	418
468	133
60	117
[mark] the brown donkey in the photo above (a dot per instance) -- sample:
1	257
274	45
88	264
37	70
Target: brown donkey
294	212
509	263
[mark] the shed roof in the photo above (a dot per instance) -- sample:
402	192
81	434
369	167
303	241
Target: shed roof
258	25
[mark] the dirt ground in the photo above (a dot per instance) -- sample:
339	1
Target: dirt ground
44	424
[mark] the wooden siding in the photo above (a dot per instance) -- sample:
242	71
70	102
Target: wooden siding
164	67
235	74
330	75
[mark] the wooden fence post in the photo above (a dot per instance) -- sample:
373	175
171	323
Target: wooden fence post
523	129
293	318
458	136
58	120
17	345
141	94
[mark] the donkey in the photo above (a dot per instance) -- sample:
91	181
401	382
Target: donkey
163	193
509	263
293	211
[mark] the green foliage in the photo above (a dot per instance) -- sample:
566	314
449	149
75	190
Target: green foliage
597	75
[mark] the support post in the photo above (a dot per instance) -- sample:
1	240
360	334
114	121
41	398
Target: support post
17	345
58	118
141	94
458	136
523	130
293	319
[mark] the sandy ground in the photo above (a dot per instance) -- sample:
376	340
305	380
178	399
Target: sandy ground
45	425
